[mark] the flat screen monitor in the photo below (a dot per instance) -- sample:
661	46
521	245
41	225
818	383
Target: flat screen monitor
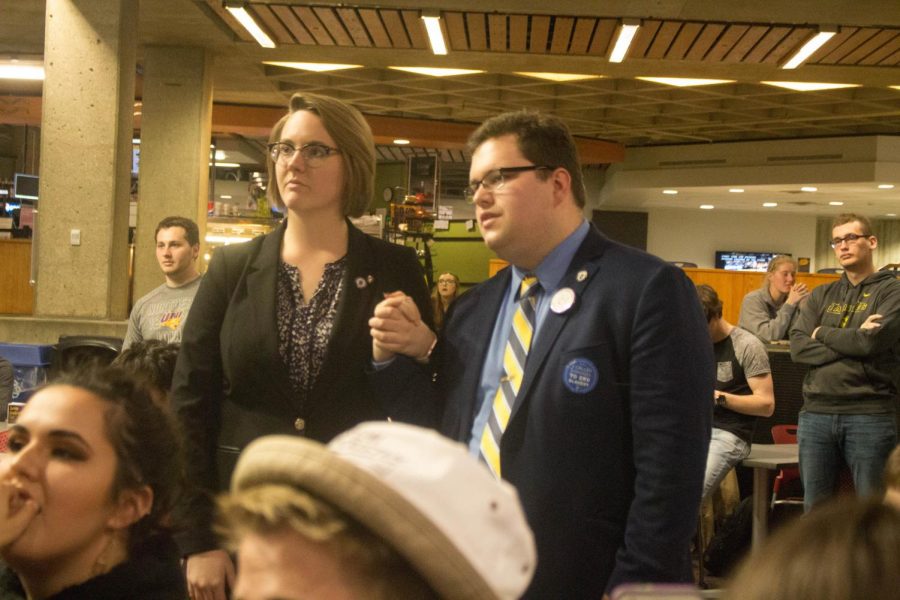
736	260
25	186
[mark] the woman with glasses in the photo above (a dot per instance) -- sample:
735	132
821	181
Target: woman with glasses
278	338
768	312
444	294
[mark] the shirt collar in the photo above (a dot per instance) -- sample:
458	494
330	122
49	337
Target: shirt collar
554	266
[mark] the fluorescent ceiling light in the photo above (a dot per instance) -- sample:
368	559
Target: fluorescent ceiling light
308	66
225	197
226	165
685	81
557	76
670	192
220	155
627	31
432	22
890	214
226	239
836	203
770	204
436	72
14	69
886	186
736	190
808	86
707	206
811	45
239	12
401	142
894	87
809	188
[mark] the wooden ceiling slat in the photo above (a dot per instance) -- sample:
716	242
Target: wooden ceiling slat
375	27
272	24
663	40
789	44
518	33
682	43
395	27
355	27
314	25
497	31
882	53
416	29
765	45
603	35
746	43
726	42
644	37
334	26
835	42
540	29
891	61
860	37
456	31
864	50
293	24
581	37
562	34
477	28
707	37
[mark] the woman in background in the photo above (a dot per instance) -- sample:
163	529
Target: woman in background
769	311
85	493
443	295
278	340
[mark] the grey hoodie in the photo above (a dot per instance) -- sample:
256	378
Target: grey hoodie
852	371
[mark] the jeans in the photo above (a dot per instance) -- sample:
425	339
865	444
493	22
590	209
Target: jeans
863	442
725	451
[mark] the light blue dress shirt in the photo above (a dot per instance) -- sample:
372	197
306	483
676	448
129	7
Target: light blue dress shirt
549	274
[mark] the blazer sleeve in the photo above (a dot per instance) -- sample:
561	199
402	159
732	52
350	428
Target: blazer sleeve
672	378
196	398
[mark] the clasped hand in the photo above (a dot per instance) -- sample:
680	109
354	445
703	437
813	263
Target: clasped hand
397	328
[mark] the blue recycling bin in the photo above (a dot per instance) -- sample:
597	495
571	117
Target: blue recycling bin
30	365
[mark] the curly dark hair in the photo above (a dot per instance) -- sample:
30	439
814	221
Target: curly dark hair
151	362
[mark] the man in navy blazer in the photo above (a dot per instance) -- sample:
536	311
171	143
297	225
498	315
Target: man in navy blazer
608	434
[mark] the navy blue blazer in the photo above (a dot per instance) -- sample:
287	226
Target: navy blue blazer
608	440
231	385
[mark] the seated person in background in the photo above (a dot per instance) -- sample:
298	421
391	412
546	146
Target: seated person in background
768	312
443	295
91	475
892	479
846	551
744	390
386	510
151	363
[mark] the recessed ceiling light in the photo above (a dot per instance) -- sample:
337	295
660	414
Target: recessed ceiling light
770	204
15	69
670	192
836	203
707	206
685	81
226	165
736	190
809	86
220	155
809	188
401	142
626	34
432	21
886	186
436	72
225	197
557	76
308	66
891	215
894	87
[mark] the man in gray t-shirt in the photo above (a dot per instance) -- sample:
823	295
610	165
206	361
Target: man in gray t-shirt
161	314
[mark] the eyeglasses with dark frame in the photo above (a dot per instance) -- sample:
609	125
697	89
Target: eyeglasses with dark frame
495	179
312	153
850	237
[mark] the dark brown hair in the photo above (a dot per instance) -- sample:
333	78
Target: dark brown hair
191	231
844	218
709	300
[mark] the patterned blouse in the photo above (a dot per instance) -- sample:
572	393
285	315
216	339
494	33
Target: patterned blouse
304	328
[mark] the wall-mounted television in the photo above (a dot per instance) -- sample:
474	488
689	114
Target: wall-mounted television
736	260
25	187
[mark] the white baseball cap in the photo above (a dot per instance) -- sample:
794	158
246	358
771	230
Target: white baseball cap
459	527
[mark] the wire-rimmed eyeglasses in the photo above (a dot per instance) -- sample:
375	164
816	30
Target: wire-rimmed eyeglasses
312	153
495	179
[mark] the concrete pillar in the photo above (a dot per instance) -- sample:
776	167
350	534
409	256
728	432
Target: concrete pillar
87	116
176	124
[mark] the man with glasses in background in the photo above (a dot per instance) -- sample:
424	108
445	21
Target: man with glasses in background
581	374
848	332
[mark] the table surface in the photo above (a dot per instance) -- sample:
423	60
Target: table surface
772	456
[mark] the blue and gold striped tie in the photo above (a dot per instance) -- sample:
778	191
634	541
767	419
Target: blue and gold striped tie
514	357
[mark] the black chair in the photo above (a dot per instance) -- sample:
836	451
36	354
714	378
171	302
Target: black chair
79	351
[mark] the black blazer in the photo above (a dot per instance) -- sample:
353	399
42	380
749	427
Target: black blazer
607	443
231	385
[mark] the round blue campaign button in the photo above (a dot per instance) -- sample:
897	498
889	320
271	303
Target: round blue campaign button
580	376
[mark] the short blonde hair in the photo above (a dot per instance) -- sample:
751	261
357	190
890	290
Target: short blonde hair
775	263
353	137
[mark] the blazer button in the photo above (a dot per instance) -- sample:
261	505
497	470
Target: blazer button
299	424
